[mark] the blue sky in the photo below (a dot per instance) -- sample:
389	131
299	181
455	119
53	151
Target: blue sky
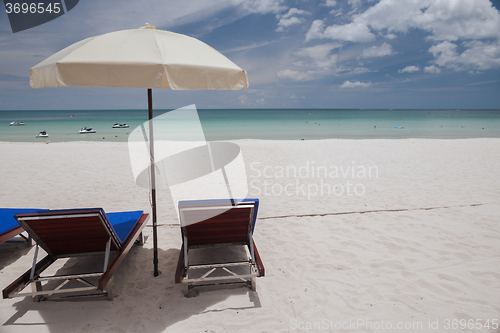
298	54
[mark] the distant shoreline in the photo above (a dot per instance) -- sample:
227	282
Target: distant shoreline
261	124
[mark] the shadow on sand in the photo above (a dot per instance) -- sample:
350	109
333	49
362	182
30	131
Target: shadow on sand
142	302
11	251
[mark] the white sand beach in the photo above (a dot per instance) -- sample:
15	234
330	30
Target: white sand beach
355	236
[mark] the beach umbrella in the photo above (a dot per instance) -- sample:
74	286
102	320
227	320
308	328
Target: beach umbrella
140	58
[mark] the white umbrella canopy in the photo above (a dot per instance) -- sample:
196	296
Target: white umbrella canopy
140	58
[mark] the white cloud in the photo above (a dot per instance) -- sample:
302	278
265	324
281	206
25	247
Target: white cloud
378	51
409	69
97	17
243	99
348	84
316	30
321	54
323	63
318	73
295	11
354	3
295	75
317	62
246	47
330	3
288	19
352	32
319	51
260	6
91	18
432	69
444	19
477	56
286	22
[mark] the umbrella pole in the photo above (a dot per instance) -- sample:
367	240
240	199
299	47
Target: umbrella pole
153	186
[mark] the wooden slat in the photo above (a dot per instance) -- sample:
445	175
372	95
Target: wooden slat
197	214
69	246
258	260
48	212
214	241
210	231
231	226
216	238
210	225
210	203
205	227
222	219
71	235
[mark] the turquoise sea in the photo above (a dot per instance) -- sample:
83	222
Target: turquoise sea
269	124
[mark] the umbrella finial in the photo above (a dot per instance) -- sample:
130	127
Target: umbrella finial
148	26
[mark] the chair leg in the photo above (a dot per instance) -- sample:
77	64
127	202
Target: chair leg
254	284
36	286
140	239
110	289
185	289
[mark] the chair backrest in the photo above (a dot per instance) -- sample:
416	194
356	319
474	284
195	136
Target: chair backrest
70	232
217	222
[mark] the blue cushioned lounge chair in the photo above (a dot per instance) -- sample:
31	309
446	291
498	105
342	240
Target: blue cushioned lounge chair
9	227
214	223
75	233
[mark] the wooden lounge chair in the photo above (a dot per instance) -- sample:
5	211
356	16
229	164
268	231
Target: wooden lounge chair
212	223
9	227
75	233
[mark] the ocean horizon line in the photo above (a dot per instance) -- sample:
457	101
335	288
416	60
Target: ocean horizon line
235	109
268	124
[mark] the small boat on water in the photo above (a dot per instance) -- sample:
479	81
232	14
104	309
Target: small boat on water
118	125
16	123
42	134
86	130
